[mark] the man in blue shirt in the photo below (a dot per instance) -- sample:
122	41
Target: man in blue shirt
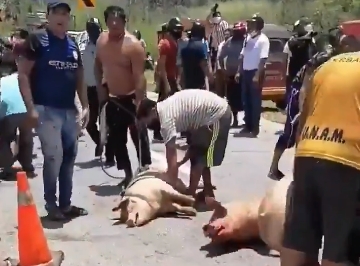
12	116
50	74
194	65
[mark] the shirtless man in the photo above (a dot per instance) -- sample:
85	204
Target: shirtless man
120	62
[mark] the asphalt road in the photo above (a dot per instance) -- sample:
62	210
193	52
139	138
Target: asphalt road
94	240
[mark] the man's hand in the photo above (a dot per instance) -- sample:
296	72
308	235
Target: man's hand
211	79
237	77
32	119
256	77
84	118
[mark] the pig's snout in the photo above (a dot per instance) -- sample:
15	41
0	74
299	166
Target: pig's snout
132	221
211	230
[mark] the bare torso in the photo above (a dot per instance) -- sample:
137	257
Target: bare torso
116	63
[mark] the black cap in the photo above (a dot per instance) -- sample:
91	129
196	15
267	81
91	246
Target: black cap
145	107
175	24
197	30
56	4
258	20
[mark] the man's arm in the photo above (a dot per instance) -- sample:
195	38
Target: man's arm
168	132
163	51
138	68
287	54
81	89
241	58
204	64
303	104
98	73
30	50
181	45
221	56
264	54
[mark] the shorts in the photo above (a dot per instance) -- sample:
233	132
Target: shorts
322	202
207	144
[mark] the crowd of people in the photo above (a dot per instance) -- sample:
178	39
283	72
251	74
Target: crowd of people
322	113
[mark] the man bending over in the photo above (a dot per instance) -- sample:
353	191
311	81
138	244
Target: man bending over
206	116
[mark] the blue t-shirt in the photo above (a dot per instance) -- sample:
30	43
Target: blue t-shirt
11	101
182	43
53	79
192	56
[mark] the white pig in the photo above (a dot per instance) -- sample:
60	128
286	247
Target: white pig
149	196
235	221
272	213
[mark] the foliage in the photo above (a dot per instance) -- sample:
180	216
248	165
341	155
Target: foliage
147	15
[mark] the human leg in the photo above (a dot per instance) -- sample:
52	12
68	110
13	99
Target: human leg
26	144
92	127
8	126
255	102
69	138
246	99
302	227
49	129
339	186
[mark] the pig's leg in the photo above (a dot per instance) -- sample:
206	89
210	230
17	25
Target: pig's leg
177	197
184	209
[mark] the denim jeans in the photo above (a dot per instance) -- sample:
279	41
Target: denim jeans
58	133
251	95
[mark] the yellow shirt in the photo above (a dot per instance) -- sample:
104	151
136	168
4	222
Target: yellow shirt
332	105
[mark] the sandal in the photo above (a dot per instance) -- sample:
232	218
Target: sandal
74	212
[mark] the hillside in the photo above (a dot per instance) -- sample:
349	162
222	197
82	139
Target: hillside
147	15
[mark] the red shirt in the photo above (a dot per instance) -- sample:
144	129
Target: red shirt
168	48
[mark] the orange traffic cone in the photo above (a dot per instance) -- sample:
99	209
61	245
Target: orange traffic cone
33	247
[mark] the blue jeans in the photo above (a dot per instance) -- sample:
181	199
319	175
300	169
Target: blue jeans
58	133
251	95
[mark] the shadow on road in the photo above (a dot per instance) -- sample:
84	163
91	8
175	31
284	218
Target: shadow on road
49	224
105	190
89	164
258	246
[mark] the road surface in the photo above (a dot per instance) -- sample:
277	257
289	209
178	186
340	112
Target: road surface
94	240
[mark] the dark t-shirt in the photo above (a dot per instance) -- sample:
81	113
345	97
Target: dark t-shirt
192	57
53	79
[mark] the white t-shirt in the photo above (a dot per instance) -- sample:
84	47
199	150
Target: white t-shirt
254	50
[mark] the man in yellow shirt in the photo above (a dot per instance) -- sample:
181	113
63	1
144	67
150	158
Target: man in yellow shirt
323	197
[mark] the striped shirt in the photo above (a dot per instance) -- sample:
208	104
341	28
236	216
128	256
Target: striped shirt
218	33
188	110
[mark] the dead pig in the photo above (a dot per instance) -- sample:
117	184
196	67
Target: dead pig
149	196
235	221
272	213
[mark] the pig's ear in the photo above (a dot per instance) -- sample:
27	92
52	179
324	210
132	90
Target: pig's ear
123	203
212	203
